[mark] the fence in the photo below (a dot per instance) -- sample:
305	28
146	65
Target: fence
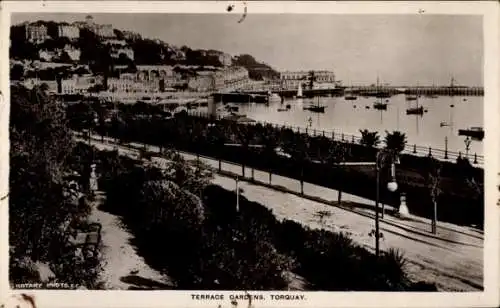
411	149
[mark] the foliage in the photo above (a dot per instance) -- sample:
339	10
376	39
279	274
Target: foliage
369	139
16	72
395	141
42	201
282	149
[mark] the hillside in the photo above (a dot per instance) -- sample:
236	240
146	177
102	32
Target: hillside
96	53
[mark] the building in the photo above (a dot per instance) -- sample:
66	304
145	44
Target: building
203	82
104	31
79	84
291	80
70	31
36	33
132	36
128	83
234	77
46	55
129	52
73	53
226	59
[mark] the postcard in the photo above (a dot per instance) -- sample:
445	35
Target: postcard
249	154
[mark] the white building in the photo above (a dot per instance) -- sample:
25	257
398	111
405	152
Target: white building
78	85
129	52
226	59
70	31
46	55
73	53
292	79
233	78
36	33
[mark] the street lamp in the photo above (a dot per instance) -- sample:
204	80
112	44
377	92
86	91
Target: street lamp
467	142
383	157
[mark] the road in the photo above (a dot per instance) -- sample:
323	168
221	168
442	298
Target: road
453	258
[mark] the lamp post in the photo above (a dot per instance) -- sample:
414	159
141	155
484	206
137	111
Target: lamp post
467	142
392	186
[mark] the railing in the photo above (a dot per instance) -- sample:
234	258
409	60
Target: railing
412	149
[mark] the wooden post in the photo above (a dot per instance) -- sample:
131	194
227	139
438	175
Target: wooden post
430	152
414	149
475	158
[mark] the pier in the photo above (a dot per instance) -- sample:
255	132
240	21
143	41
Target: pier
374	91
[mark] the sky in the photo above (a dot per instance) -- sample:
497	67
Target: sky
400	49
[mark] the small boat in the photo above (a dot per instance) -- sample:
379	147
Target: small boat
416	110
282	109
380	106
367	107
350	97
319	109
288	106
452	105
473	132
411	97
316	108
465	99
443	124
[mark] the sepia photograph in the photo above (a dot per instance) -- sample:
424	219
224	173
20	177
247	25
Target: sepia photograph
264	155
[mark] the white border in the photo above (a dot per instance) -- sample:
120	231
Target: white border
490	13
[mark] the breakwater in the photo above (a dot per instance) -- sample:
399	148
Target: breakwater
376	91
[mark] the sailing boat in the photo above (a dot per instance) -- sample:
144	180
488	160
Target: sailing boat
316	108
299	92
349	96
418	110
379	105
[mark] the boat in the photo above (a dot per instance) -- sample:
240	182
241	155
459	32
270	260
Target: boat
380	106
282	109
473	132
443	124
411	97
350	97
299	92
415	110
288	106
316	108
379	93
274	97
418	110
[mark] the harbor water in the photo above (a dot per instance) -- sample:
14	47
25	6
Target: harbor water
444	117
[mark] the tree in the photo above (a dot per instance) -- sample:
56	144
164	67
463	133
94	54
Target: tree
245	135
16	72
337	155
41	203
395	141
433	179
369	139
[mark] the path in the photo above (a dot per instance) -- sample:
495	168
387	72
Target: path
453	258
123	269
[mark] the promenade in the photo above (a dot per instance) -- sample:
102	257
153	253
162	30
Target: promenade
453	258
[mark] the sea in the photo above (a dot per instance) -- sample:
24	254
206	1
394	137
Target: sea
437	128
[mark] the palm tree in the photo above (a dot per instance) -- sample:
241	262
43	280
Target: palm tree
369	139
395	141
